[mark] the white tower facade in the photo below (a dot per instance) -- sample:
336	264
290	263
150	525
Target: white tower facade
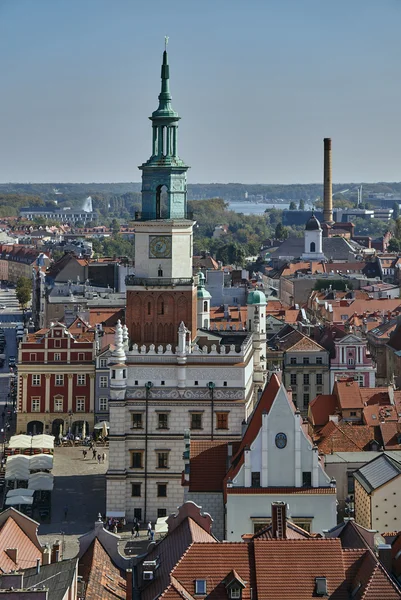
313	240
203	303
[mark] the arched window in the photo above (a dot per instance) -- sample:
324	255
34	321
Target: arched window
160	272
149	308
205	306
313	247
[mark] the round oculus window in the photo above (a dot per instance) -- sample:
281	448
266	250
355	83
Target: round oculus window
281	440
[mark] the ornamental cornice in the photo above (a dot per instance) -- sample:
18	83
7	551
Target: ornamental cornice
186	394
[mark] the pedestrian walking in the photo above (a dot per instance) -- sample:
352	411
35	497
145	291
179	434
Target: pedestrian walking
115	530
137	529
104	456
84	452
149	530
65	512
99	458
94	453
152	535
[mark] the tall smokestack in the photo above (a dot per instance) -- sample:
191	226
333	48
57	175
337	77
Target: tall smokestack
327	183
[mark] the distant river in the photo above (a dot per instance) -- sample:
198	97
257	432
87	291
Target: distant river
249	208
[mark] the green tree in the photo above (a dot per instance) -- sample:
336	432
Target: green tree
302	204
396	210
397	228
281	232
23	291
231	254
115	227
293	206
394	245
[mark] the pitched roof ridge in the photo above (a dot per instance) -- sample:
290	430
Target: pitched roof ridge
179	588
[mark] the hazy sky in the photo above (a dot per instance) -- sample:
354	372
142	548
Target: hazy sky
258	84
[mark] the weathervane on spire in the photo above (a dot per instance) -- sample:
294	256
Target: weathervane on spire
165	42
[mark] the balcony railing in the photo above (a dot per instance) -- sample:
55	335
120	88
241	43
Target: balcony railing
158	281
151	216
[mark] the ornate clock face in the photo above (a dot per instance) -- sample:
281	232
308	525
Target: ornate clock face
160	246
281	440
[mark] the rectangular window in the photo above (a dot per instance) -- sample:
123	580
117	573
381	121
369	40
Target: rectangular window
162	460
138	514
306	399
103	363
319	379
57	343
256	479
136	490
293	361
161	512
162	422
103	381
162	490
35	379
80	402
235	593
58	404
103	404
32	357
200	587
35	404
59	379
305	360
137	421
293	379
306	479
136	460
81	357
196	420
352	413
306	378
57	356
350	482
81	379
221	420
319	360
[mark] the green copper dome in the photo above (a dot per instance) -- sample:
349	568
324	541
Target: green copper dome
202	292
256	297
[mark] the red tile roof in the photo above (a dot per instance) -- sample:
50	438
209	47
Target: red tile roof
104	580
344	437
348	394
321	408
13	536
208	466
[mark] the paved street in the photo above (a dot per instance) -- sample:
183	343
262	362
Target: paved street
79	485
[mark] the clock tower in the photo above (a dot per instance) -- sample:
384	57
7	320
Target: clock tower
162	292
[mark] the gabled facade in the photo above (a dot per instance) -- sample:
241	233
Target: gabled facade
56	380
277	462
352	358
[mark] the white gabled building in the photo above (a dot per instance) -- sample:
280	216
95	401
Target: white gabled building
277	462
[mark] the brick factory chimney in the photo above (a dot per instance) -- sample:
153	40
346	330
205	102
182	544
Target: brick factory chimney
327	184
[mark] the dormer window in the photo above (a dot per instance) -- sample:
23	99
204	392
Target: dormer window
235	592
200	587
321	586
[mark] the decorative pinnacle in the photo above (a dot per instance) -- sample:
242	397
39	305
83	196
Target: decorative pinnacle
165	42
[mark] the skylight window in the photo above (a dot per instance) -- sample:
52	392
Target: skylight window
321	586
200	587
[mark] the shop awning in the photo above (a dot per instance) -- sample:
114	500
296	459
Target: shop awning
20	492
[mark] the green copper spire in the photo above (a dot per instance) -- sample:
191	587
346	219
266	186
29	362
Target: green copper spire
165	170
165	109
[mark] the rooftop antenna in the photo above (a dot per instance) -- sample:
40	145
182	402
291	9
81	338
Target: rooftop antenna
165	42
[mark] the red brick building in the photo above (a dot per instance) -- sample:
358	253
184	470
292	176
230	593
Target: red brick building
56	380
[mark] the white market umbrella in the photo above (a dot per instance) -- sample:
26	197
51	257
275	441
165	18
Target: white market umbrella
105	432
18	460
38	462
101	424
17	500
20	441
20	492
61	430
84	430
41	481
43	441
